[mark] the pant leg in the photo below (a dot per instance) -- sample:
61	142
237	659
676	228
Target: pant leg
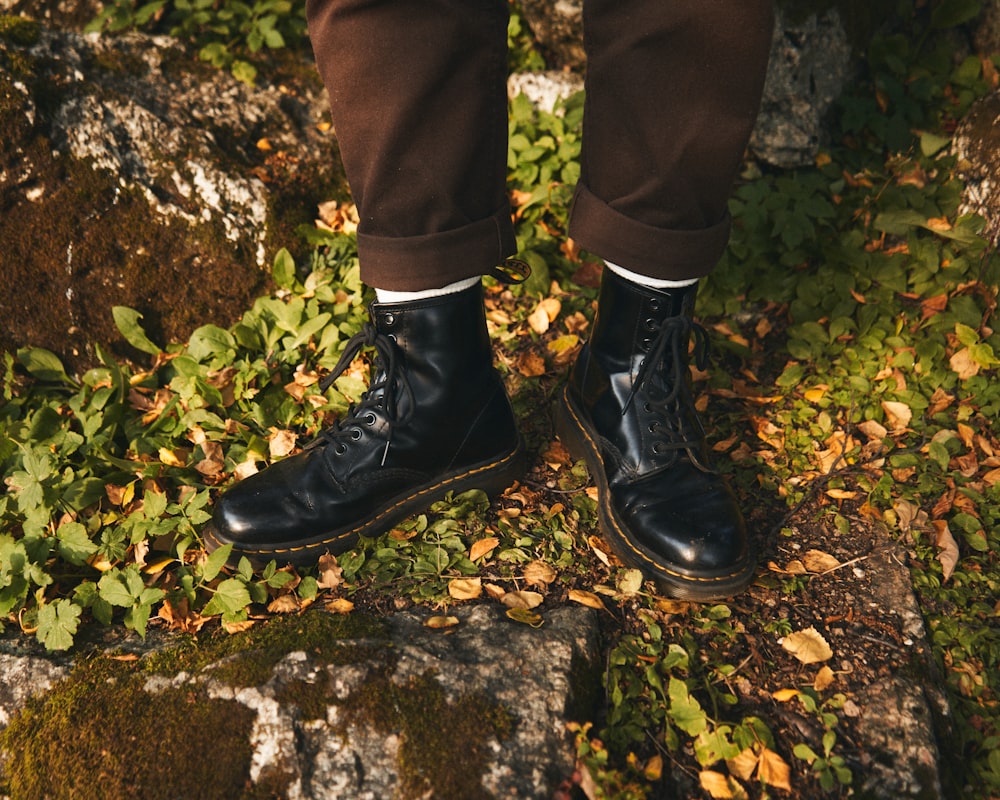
673	88
419	103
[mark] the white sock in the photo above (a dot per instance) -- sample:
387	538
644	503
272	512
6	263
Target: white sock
645	280
388	296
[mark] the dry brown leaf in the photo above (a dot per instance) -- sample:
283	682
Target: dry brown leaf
538	320
588	599
340	605
523	599
494	592
465	588
963	364
818	561
330	572
824	679
773	770
808	646
897	414
630	582
280	443
172	458
939	224
716	784
539	574
245	469
530	364
873	430
482	547
238	627
283	604
599	550
525	617
948	553
667	605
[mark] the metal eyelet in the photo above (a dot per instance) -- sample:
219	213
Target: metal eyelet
657	448
389	318
356	434
654	303
650	324
340	449
370	418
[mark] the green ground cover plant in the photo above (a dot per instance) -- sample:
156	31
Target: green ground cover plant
853	319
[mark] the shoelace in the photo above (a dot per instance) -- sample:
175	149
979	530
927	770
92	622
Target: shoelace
383	391
665	370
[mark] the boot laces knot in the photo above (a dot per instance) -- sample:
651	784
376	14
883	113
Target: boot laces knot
663	381
388	382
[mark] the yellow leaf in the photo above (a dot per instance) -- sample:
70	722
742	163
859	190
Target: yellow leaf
818	561
841	494
238	627
744	764
170	457
824	679
784	695
666	605
808	646
539	574
773	770
716	784
525	617
482	547
939	224
522	599
465	588
654	769
815	394
588	599
340	605
438	621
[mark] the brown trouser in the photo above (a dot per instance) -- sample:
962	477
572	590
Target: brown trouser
418	95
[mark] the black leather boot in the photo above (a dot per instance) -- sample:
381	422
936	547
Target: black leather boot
435	418
627	410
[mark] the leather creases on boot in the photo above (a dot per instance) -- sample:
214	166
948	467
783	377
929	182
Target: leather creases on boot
435	419
627	410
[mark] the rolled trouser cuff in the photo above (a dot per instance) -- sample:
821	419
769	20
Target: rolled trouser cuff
666	254
430	261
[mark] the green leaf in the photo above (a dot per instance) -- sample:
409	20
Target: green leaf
114	590
215	562
127	321
952	13
283	270
686	713
57	624
932	143
43	364
244	71
75	546
231	596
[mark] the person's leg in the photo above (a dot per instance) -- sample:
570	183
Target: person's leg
418	98
672	94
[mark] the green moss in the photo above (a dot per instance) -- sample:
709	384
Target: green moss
443	746
19	30
247	658
99	735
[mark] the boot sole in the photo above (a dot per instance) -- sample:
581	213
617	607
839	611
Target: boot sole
582	444
492	477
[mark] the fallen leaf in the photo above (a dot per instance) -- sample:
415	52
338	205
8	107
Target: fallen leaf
963	364
525	617
667	605
773	770
482	547
281	442
873	430
530	364
743	764
340	605
238	627
439	621
653	770
538	320
784	695
818	561
808	646
465	588
948	553
716	784
588	599
245	469
897	414
170	457
330	572
824	679
630	582
523	599
598	547
939	224
539	574
283	604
